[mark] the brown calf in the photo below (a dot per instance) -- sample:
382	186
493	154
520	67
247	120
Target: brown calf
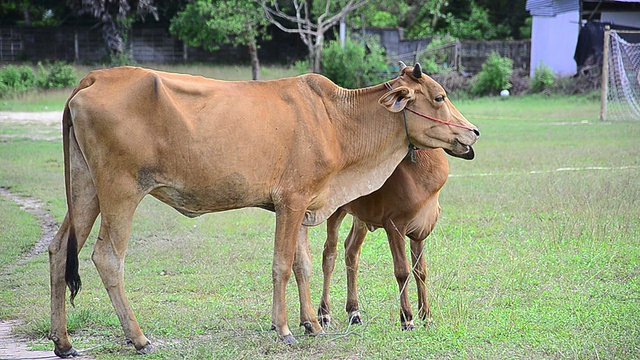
407	204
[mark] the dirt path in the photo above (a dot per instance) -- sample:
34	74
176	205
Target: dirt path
12	346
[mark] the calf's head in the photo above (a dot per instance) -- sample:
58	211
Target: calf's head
431	119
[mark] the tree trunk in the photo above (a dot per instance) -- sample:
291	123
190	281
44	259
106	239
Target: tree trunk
255	62
27	15
112	35
316	62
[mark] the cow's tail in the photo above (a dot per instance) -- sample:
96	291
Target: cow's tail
71	275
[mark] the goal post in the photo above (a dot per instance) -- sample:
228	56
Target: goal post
620	90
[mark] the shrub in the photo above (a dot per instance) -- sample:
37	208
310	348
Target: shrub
16	79
543	78
351	66
494	75
59	75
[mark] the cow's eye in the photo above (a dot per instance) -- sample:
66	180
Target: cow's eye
439	98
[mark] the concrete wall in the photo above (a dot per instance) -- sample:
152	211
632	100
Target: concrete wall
553	42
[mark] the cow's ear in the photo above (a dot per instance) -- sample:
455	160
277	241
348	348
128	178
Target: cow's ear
396	99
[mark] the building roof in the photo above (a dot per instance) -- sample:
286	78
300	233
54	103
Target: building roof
551	7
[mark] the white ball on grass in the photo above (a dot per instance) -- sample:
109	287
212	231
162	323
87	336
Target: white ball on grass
504	93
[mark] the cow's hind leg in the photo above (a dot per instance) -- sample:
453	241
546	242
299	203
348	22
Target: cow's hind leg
83	211
328	264
117	206
353	245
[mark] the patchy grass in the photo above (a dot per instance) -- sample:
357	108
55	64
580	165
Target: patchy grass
536	255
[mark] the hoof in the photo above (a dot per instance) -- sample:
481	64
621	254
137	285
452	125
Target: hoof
289	339
147	349
309	329
408	326
324	320
355	319
71	352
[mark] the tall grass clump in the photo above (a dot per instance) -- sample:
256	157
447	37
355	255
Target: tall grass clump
494	75
543	78
353	66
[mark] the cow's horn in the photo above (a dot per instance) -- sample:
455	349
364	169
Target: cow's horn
417	71
402	65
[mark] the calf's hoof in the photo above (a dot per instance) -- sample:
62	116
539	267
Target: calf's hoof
324	320
408	326
71	352
354	318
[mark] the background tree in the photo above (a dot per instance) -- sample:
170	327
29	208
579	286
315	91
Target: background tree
310	21
116	18
208	23
31	12
478	19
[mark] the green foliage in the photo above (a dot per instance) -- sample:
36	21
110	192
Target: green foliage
121	59
352	67
18	79
59	75
207	24
494	75
543	77
15	79
302	66
384	19
476	26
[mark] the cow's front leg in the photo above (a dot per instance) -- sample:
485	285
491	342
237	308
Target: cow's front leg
289	218
302	271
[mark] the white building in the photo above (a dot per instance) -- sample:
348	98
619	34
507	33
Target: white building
554	34
556	26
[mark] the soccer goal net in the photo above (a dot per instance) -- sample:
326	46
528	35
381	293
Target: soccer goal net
620	77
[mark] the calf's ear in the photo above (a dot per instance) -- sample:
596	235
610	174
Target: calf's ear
395	100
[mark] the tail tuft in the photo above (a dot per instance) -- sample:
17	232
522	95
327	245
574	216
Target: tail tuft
71	275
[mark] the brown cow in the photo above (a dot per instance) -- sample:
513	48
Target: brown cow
300	147
407	204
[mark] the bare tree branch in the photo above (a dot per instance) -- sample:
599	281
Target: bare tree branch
311	32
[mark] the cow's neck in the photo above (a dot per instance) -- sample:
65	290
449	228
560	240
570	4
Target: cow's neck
372	144
367	129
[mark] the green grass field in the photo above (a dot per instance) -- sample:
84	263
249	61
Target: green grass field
536	255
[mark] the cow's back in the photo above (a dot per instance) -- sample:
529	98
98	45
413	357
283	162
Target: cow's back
223	144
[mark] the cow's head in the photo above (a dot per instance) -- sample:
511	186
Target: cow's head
432	120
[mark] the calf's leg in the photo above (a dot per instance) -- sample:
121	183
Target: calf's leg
328	264
353	245
302	271
401	270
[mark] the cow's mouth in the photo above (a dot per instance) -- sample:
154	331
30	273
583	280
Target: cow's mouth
467	152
